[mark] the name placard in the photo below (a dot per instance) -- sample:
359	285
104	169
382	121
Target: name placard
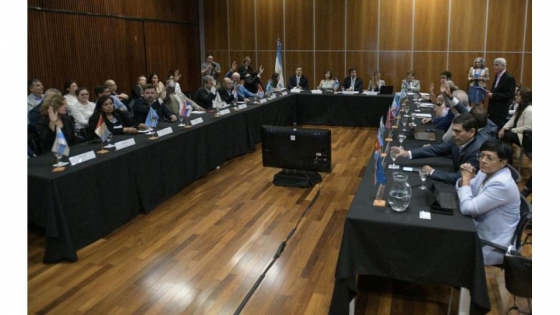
77	159
225	111
284	93
125	144
263	100
197	121
164	131
242	106
273	96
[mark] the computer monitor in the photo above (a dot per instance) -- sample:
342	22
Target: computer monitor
296	148
386	89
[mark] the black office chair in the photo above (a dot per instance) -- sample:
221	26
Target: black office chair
526	147
517	268
514	173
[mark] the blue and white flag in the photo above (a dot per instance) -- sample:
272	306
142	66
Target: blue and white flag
278	65
60	146
152	118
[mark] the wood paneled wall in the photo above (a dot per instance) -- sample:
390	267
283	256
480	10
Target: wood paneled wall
92	41
394	36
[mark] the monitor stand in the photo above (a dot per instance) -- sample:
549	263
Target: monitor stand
296	178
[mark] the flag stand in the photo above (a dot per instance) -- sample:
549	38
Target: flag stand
154	136
188	125
103	150
58	169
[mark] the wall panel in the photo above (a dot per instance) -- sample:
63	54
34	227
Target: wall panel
394	66
329	25
468	25
362	25
242	25
379	34
216	26
509	20
430	24
269	24
299	25
529	30
396	25
527	78
267	59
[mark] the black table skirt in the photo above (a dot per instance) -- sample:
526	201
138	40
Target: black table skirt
88	201
378	241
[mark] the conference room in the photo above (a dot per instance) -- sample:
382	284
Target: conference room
190	221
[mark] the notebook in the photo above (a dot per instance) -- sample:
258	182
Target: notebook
386	89
442	202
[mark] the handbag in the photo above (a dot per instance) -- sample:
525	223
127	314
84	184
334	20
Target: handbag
518	273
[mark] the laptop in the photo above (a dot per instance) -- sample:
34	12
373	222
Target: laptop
442	202
424	134
386	89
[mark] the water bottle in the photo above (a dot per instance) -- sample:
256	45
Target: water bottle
400	193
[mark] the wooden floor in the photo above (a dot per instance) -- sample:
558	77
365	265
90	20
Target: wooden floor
201	251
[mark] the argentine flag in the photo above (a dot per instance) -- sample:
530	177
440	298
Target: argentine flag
60	146
278	65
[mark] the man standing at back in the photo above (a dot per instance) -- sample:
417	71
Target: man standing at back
211	68
298	80
501	93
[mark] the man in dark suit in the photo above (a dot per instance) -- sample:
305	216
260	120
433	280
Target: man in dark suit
206	93
463	148
226	91
142	105
501	93
298	80
353	83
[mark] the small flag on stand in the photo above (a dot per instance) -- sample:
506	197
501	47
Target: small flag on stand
60	146
152	118
260	92
101	130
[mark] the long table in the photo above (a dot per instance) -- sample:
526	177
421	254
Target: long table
87	201
378	241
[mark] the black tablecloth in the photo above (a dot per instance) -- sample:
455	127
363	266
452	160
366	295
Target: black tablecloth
381	242
87	201
342	110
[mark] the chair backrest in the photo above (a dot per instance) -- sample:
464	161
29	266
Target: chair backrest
514	173
526	215
527	143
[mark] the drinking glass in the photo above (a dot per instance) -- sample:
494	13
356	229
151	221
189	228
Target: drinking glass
423	175
403	122
107	143
406	108
413	124
402	136
181	121
394	158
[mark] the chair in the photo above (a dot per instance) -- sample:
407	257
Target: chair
514	173
526	147
517	268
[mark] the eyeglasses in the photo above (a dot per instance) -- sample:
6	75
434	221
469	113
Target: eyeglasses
489	158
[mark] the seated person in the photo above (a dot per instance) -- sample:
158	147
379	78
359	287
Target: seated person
239	90
328	83
271	85
138	89
173	100
82	111
410	84
252	82
226	91
54	114
206	93
353	82
463	148
35	96
103	90
486	128
34	114
522	119
375	83
491	198
116	121
142	106
298	80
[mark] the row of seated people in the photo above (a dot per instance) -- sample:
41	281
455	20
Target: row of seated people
78	118
486	189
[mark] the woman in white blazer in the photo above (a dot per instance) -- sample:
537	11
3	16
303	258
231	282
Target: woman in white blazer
522	119
490	197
